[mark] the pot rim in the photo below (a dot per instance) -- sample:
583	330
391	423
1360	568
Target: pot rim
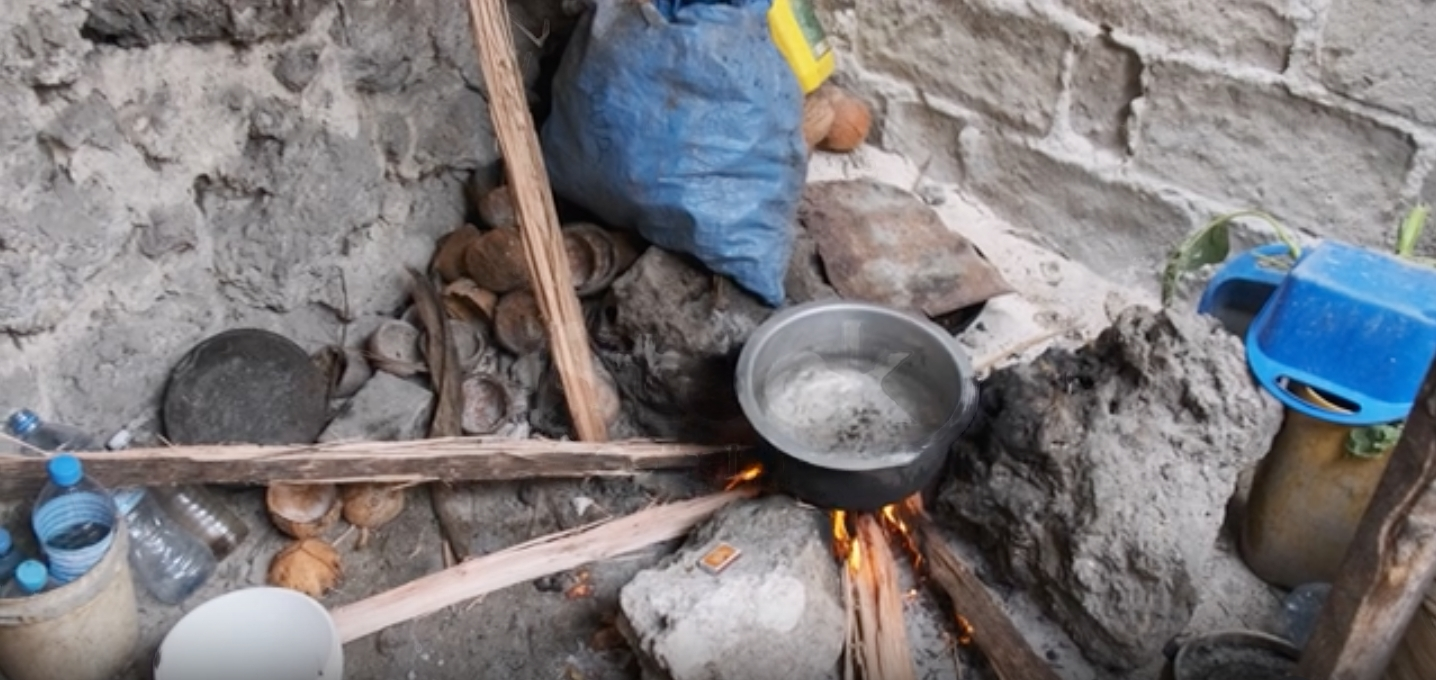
941	436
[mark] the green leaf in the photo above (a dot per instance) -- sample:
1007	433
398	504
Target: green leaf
1211	245
1373	441
1410	230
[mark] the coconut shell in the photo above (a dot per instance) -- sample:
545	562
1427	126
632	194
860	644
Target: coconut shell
370	506
449	255
496	208
818	117
302	510
851	122
583	260
603	253
309	566
489	402
346	369
394	348
495	261
518	323
464	300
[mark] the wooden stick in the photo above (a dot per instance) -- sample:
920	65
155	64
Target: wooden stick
1390	563
541	557
980	617
884	648
450	459
538	219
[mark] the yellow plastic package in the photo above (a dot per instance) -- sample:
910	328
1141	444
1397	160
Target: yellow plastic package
802	40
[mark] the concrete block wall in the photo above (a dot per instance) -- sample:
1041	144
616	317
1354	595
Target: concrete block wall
1111	129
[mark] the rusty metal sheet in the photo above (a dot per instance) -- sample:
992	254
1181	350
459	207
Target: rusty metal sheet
882	244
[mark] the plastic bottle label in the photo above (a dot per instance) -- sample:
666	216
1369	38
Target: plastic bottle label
812	29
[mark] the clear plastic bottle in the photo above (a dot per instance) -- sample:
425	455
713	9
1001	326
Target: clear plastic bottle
47	436
10	556
74	519
191	507
31	577
169	562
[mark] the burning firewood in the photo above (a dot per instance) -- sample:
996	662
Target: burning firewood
882	648
979	617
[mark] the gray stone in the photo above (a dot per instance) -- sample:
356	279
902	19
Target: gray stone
1100	481
88	121
927	136
1003	64
171	229
1108	77
1257	32
775	612
138	23
1114	227
386	408
296	67
1258	146
50	51
1380	52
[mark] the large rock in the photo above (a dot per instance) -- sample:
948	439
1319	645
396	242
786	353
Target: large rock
1101	480
387	408
136	23
671	340
1257	32
775	612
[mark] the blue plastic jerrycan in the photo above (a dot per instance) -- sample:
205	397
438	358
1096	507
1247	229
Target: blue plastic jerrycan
1354	324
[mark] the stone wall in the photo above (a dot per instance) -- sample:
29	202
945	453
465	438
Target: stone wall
1112	128
172	168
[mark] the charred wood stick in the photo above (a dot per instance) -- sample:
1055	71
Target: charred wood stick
884	652
543	243
423	460
979	615
526	562
1390	563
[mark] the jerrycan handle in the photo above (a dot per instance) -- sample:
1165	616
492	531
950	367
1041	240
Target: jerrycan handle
1252	266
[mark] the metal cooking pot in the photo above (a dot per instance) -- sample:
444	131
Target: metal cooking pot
858	404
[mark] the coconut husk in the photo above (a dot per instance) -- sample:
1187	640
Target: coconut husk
302	510
370	506
495	260
496	208
310	566
518	323
817	119
394	348
464	300
489	403
448	260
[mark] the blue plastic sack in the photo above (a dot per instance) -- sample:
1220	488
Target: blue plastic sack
682	120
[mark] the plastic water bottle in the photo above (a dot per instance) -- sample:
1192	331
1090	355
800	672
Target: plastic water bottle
47	436
10	557
74	519
169	562
31	577
191	507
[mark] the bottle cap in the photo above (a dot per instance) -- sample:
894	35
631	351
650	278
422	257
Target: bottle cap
65	469
6	543
23	422
32	575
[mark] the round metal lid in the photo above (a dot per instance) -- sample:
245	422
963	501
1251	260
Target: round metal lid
245	386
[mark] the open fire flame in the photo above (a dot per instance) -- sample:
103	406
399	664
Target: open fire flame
897	519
